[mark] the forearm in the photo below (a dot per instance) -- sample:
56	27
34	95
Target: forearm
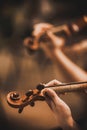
75	71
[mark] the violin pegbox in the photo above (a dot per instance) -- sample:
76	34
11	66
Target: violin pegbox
15	99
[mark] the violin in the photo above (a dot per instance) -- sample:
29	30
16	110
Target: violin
15	100
65	31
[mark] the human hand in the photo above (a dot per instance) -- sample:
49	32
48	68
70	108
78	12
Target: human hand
60	109
55	41
41	28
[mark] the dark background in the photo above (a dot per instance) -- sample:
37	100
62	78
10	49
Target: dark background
21	71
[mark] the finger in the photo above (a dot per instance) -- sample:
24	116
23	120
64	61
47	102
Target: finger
48	99
41	25
54	101
51	96
47	92
52	83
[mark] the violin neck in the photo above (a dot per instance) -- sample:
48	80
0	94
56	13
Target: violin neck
73	27
70	87
78	25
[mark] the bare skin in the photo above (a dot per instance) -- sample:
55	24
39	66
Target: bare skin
60	109
54	50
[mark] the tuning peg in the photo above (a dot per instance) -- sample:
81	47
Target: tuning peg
29	93
32	104
40	86
20	110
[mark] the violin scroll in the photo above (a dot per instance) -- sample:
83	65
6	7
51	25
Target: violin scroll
15	100
65	31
